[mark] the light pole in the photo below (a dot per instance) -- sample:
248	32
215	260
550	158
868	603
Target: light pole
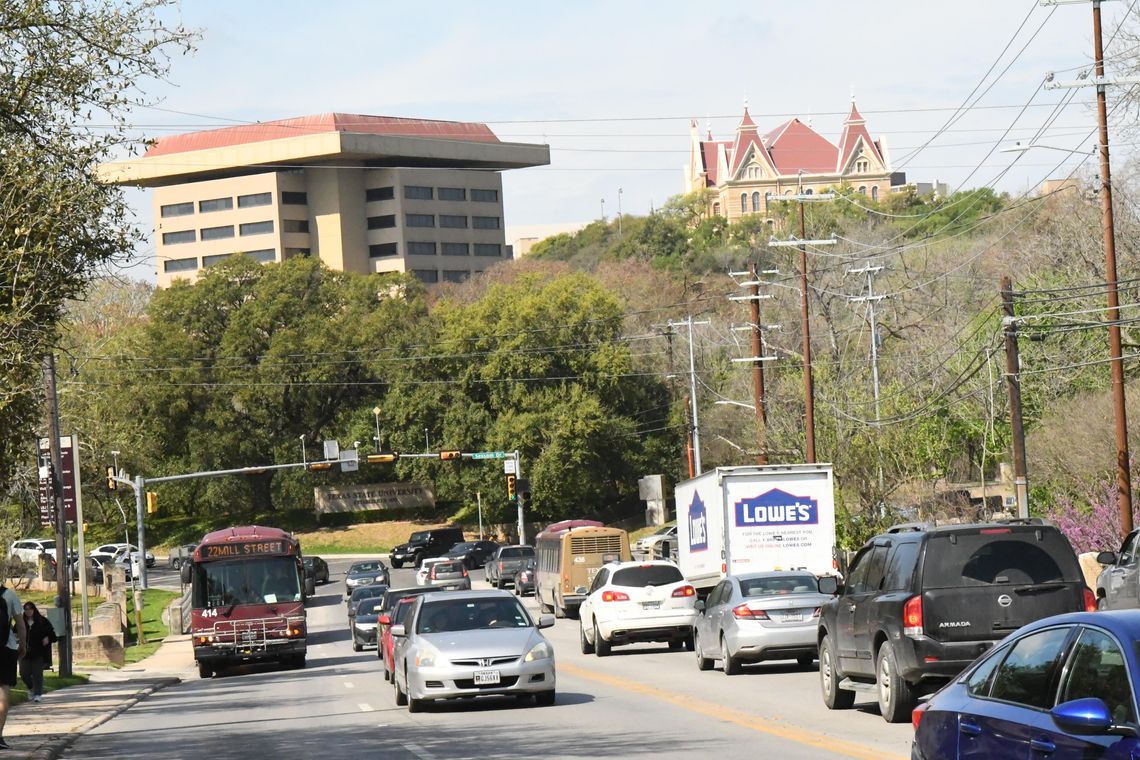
603	209
427	442
619	212
376	415
304	460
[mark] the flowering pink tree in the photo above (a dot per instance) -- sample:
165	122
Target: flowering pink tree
1092	521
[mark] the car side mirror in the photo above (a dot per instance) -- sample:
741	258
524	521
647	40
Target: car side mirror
1084	717
545	621
399	631
1106	558
184	572
699	605
384	620
829	585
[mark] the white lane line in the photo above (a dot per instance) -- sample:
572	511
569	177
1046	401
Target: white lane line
349	685
419	752
365	707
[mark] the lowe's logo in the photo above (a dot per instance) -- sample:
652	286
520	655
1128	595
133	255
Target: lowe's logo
698	525
776	507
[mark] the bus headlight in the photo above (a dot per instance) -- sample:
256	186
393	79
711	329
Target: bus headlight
540	651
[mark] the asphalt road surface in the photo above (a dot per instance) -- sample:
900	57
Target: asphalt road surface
643	701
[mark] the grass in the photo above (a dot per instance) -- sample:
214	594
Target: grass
154	630
367	538
647	531
52	682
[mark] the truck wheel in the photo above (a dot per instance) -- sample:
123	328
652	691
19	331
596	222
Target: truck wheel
602	648
834	697
204	671
731	664
397	565
896	696
544	698
587	647
543	607
703	663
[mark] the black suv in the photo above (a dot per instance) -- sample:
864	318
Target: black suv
425	543
920	603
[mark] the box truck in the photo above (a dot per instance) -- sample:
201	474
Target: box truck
735	520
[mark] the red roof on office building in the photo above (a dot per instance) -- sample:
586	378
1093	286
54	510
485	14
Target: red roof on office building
321	123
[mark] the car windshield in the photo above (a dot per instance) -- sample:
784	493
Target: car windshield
459	548
787	584
367	592
647	575
665	530
513	552
981	559
364	567
471	615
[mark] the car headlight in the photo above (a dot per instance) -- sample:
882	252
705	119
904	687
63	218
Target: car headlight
381	578
540	651
426	658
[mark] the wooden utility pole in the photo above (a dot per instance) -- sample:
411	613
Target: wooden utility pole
809	386
758	369
1013	383
62	560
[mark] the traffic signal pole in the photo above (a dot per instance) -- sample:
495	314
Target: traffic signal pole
518	500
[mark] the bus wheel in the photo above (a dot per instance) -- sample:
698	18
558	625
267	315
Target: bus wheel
543	607
559	610
204	670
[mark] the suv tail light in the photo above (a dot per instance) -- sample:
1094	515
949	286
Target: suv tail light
1090	600
917	713
615	596
912	617
464	572
742	612
684	591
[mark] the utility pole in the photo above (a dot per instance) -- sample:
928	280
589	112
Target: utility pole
695	428
62	563
1013	382
619	212
870	299
758	358
1123	468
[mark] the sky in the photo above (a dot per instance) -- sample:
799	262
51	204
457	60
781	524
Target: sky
611	86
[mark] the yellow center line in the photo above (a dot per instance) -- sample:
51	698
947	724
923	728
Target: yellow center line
737	717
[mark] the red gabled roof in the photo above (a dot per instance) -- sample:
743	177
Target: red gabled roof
322	123
854	128
708	156
794	146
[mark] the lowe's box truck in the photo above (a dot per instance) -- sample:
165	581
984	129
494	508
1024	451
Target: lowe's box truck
735	520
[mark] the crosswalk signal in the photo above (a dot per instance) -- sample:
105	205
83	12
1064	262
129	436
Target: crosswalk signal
510	487
449	456
111	484
151	502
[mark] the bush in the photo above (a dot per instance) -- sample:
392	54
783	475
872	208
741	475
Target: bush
1091	521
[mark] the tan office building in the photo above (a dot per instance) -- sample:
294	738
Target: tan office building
363	193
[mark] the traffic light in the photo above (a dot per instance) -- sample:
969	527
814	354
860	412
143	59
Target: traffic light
523	487
510	487
320	466
151	502
111	484
449	456
379	458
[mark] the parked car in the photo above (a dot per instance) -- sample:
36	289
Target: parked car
388	601
365	574
30	549
920	603
1118	585
502	568
108	551
363	624
524	581
473	553
316	568
1063	687
500	650
637	601
646	546
362	593
180	554
760	616
396	616
450	575
425	570
423	544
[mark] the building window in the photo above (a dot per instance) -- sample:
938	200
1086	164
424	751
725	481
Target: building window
484	196
418	193
420	220
257	199
875	193
453	275
383	250
767	199
217	233
756	202
294	199
862	190
182	236
421	249
382	222
264	255
452	194
209	261
380	194
809	191
485	222
427	276
294	225
180	265
178	209
744	203
293	252
256	228
488	249
216	204
453	222
716	209
456	249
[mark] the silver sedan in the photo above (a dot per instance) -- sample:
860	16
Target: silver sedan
468	644
759	616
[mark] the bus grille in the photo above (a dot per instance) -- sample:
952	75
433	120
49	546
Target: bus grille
595	544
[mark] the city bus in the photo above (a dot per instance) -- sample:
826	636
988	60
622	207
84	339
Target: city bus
247	594
568	555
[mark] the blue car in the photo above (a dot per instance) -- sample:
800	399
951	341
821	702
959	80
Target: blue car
1062	687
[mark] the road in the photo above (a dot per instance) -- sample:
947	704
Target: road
643	700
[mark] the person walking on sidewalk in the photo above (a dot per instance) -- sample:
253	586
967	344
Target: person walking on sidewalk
40	637
13	640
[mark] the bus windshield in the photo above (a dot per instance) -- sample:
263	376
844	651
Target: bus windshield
266	580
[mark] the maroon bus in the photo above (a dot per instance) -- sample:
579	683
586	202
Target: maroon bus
247	592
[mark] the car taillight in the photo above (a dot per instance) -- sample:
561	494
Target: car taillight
917	713
464	572
684	591
817	612
615	596
1090	600
742	612
912	616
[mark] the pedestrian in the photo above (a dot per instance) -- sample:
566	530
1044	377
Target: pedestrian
13	638
40	637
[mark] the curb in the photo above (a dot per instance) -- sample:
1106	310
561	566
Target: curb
55	748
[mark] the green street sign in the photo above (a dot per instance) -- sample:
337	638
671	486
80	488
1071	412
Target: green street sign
490	455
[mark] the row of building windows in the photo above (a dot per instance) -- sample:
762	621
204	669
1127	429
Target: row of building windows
221	233
216	204
170	266
428	193
431	276
446	221
417	248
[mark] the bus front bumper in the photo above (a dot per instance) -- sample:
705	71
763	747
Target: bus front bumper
229	654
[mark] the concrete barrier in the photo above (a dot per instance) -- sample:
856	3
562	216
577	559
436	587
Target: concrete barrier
106	620
99	648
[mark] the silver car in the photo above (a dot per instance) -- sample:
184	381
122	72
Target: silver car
451	575
759	616
469	644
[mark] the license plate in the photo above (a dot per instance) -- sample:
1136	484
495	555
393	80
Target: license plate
651	605
486	677
792	617
247	635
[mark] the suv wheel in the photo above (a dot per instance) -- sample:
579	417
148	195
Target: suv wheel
601	647
587	647
397	565
896	696
834	697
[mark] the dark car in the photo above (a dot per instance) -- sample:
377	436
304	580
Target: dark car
425	543
524	581
1063	687
365	574
374	591
920	603
180	554
473	553
505	565
363	624
316	568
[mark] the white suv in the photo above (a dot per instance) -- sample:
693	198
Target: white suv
29	549
637	601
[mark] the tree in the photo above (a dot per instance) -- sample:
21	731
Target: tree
70	72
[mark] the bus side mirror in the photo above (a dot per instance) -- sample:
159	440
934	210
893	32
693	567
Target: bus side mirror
184	572
310	585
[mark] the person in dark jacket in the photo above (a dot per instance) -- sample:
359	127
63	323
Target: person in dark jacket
41	636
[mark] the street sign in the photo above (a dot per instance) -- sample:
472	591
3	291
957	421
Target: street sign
489	455
349	460
67	478
509	467
332	450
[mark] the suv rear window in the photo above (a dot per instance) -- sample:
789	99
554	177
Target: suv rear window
517	551
981	559
648	575
447	567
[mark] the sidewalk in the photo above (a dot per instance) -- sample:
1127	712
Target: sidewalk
44	731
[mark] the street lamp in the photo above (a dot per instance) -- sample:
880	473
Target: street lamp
376	414
304	460
427	443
